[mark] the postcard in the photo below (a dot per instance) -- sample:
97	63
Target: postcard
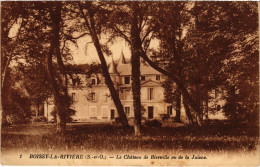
130	83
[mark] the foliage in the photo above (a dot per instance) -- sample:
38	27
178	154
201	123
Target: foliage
153	123
165	117
69	112
39	119
18	107
235	51
195	46
171	93
241	108
89	69
35	82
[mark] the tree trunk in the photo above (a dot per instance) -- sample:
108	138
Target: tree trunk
135	61
206	105
187	111
90	24
175	78
199	113
37	111
178	107
5	71
4	66
61	116
6	63
59	98
3	105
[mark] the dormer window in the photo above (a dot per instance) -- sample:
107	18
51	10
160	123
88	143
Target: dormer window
127	80
73	97
142	78
158	77
75	81
93	81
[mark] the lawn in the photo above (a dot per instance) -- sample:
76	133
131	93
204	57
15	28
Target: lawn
218	137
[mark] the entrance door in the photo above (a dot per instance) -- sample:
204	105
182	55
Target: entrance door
112	114
150	112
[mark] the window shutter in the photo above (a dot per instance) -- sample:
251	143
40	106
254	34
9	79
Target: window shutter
147	93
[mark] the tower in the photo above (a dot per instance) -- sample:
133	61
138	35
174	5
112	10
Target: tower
113	73
122	58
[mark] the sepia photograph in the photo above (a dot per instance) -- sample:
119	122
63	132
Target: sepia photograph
130	83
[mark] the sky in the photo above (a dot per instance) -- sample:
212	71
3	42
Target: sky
86	52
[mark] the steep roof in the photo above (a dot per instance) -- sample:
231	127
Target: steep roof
146	69
125	69
112	68
122	59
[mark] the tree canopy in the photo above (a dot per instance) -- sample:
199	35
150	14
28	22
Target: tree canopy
202	47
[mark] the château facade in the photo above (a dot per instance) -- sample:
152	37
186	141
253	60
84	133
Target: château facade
93	103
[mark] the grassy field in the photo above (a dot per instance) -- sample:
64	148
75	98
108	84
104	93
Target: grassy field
217	137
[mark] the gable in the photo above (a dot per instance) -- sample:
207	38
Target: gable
150	83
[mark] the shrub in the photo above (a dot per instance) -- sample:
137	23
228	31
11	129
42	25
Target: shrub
164	117
18	107
69	113
39	119
153	123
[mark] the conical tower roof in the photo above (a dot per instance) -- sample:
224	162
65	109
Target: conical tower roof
122	58
112	67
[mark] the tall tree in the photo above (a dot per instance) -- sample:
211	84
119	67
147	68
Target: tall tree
135	62
219	50
173	96
170	31
173	75
89	12
59	92
12	15
129	21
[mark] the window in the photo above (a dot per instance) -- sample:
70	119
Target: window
127	80
105	96
73	97
158	77
142	78
150	112
127	95
93	96
93	81
75	81
92	111
112	114
104	110
127	111
150	94
169	110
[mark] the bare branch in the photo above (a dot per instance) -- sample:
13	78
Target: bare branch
86	20
146	34
80	36
144	23
122	34
149	41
